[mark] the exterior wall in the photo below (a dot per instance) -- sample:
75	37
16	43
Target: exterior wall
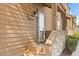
47	13
61	9
48	19
74	24
17	28
64	22
20	27
59	43
68	26
54	9
71	25
71	22
58	21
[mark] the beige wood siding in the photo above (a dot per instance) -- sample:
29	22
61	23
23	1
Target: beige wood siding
54	9
17	27
48	18
64	21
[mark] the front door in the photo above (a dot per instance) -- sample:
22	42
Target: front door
41	27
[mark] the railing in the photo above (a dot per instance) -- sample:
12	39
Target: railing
64	5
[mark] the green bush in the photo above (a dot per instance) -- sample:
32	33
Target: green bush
72	43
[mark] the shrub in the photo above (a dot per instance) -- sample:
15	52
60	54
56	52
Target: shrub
72	43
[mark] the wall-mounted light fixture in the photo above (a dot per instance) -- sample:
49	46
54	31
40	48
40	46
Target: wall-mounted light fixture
35	13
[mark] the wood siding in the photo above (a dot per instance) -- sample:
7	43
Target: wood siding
17	28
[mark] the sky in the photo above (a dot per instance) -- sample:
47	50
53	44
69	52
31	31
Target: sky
74	7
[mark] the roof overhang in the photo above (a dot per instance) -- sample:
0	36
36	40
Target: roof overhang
68	16
60	8
49	5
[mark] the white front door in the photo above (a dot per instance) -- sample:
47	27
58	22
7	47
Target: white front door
41	27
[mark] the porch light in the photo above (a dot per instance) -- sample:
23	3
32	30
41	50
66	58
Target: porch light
35	13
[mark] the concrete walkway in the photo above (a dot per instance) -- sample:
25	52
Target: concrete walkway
76	52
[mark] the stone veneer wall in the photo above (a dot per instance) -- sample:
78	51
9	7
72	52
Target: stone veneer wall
59	43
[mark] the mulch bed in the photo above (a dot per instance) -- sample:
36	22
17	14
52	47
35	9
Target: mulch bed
66	53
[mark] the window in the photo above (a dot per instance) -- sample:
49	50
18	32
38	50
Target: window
58	24
41	27
59	21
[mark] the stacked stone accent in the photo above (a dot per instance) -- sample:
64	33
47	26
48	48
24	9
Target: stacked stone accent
58	44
